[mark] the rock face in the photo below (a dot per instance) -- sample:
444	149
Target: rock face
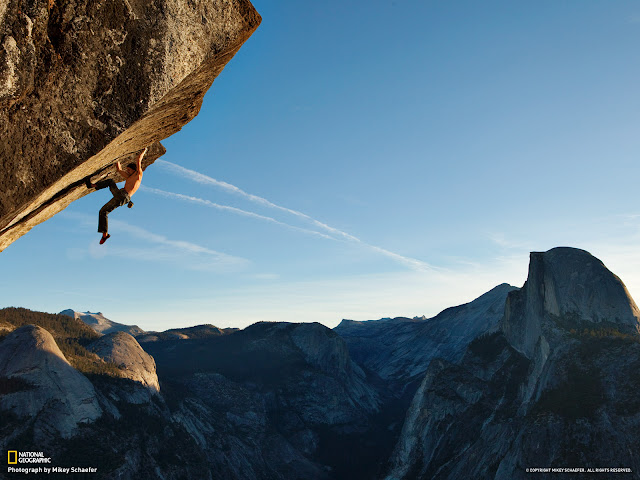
275	400
125	352
44	384
567	283
269	353
101	324
401	349
554	388
566	289
444	433
84	84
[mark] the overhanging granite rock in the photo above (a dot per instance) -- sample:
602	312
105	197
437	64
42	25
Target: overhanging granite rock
86	83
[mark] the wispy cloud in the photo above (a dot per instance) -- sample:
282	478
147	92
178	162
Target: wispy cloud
629	219
501	240
186	254
192	175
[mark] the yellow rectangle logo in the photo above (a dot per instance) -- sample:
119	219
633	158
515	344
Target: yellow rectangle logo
15	457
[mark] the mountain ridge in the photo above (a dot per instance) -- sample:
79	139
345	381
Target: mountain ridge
540	390
389	347
464	394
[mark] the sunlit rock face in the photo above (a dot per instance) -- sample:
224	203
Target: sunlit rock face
101	324
43	385
125	352
84	84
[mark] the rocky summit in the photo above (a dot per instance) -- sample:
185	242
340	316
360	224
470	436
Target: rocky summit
556	386
101	324
566	285
84	84
542	376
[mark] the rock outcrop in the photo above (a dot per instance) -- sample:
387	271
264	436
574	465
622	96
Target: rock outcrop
567	289
569	285
102	324
43	385
84	84
125	352
555	387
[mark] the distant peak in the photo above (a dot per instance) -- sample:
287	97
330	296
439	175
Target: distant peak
499	289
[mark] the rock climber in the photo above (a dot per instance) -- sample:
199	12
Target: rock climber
132	175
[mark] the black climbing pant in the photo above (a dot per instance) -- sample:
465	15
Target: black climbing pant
120	197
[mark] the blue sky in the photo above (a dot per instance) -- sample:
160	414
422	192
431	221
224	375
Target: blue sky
368	159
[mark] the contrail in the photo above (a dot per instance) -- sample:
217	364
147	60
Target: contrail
202	201
206	180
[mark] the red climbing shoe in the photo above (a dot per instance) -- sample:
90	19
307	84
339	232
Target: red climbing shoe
104	238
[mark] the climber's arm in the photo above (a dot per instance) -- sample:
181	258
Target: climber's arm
139	165
119	169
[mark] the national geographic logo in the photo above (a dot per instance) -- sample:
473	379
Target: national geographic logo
37	464
15	457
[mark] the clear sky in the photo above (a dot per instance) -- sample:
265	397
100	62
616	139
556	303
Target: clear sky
368	159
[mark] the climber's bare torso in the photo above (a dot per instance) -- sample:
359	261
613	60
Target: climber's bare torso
133	178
